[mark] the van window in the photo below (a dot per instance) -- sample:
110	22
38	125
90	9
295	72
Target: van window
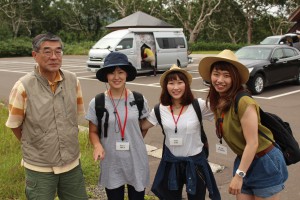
180	42
126	43
295	39
170	43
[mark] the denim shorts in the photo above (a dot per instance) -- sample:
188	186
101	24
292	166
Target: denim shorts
265	176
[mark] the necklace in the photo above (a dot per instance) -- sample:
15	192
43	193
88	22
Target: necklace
115	107
112	99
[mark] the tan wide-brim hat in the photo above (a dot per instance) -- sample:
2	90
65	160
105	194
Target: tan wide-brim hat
175	68
227	56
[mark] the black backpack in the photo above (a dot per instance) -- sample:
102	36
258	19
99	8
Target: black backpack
197	109
283	135
100	109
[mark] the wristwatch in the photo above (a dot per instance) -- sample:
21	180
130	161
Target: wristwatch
240	173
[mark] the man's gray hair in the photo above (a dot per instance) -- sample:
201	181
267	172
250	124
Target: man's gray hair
39	39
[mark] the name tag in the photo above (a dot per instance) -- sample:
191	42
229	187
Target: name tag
175	141
221	149
122	146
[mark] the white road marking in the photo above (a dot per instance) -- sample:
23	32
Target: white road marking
277	96
79	69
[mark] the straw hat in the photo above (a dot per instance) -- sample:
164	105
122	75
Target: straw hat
116	59
227	56
175	68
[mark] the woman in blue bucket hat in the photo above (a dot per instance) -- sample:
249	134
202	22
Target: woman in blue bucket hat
121	149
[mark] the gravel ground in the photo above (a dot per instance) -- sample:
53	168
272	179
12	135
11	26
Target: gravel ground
96	192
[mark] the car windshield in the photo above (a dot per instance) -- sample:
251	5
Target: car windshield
270	40
253	53
106	43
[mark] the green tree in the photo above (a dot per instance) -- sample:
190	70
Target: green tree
254	9
82	19
123	8
228	25
17	13
193	14
45	17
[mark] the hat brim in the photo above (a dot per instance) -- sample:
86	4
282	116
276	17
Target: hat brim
129	69
163	76
205	64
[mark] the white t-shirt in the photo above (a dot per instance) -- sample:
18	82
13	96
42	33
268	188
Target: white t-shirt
188	128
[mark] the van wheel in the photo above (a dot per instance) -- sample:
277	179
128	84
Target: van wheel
178	63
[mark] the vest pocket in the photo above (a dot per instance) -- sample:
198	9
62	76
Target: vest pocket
36	136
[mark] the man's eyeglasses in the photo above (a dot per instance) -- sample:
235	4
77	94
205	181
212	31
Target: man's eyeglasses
219	127
49	53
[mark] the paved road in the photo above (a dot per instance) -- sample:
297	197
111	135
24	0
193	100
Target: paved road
282	100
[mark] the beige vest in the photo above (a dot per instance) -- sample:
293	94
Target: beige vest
50	128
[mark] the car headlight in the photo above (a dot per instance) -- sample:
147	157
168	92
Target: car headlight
250	69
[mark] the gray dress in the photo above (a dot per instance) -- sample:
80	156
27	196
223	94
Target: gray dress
122	167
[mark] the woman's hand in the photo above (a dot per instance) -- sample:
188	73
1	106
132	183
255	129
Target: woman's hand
145	125
235	185
99	152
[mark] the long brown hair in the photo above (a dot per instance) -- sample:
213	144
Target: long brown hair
223	103
166	98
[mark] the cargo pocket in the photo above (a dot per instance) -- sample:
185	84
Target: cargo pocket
30	187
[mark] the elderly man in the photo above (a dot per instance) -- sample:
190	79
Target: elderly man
43	109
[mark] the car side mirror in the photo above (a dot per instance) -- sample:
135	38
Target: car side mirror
119	47
274	60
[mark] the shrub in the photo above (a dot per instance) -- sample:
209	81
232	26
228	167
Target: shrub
214	46
17	47
22	47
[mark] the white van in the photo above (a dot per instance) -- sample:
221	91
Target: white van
168	44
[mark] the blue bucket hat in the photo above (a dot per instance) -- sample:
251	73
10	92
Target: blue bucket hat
113	60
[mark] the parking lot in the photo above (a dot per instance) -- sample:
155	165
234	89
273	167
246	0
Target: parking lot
283	100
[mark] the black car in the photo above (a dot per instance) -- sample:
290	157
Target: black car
270	65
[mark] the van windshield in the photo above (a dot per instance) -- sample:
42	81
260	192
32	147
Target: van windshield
271	40
106	43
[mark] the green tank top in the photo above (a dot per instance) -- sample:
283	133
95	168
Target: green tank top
232	130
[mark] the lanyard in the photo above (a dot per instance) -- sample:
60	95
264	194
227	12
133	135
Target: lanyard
176	121
122	129
219	127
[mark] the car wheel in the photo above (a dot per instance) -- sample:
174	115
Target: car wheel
298	78
178	63
257	84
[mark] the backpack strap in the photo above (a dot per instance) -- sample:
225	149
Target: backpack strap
197	109
139	101
100	109
158	117
238	96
